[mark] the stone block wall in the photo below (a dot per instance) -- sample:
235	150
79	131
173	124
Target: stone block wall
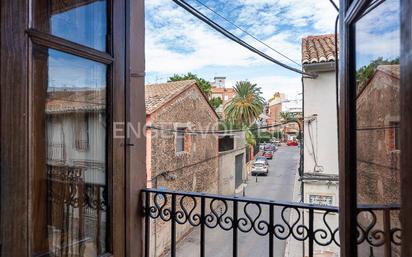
195	169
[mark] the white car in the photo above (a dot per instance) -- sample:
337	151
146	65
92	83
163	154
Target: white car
260	167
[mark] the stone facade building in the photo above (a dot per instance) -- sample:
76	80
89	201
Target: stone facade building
377	137
175	158
378	147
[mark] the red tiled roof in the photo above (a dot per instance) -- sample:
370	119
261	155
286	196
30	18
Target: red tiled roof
66	101
157	95
317	49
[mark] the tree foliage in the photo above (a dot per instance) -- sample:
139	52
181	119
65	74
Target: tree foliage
203	84
215	102
287	116
277	134
250	138
246	105
365	73
264	137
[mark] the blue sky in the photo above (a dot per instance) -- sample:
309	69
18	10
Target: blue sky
382	39
176	42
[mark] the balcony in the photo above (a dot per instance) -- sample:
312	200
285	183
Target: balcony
379	232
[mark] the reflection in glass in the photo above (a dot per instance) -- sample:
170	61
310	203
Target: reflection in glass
76	156
80	21
377	128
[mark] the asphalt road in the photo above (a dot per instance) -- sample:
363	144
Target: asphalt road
278	185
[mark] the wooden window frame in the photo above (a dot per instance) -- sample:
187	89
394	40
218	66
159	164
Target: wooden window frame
350	10
114	112
17	36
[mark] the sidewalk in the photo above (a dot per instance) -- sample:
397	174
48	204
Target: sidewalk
293	247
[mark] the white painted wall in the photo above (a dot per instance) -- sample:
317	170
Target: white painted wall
320	100
61	130
227	166
320	131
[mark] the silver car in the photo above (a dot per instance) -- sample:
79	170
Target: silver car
260	168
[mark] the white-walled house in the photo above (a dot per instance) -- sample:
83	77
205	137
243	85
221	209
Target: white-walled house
75	125
320	175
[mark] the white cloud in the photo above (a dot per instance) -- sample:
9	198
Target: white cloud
298	13
382	39
176	42
206	47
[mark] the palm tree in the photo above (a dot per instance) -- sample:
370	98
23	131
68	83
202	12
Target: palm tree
246	105
250	138
287	116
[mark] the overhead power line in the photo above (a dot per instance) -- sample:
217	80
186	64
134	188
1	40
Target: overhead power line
244	31
334	5
215	132
234	38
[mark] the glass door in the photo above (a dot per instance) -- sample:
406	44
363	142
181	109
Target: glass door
370	129
72	86
377	91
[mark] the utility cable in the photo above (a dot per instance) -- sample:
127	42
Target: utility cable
218	132
247	33
334	5
236	39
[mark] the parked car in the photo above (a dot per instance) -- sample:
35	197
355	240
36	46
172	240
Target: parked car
276	142
270	147
292	143
262	159
268	155
259	167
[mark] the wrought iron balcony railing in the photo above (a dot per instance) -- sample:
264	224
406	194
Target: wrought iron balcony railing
315	225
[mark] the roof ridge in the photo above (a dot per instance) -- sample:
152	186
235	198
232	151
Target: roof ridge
318	49
156	95
172	82
319	36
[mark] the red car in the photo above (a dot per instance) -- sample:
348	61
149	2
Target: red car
292	143
268	155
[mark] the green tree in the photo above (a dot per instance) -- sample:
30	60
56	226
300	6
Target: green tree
287	116
264	137
215	102
203	84
365	73
246	105
250	138
277	134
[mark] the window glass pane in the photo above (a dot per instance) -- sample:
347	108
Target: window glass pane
180	140
80	21
75	152
378	118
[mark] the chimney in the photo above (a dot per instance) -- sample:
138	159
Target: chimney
220	82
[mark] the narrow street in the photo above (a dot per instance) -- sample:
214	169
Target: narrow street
278	186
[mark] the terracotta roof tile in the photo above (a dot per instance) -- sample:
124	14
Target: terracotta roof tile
316	49
66	101
158	94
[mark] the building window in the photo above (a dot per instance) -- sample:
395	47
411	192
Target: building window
180	140
396	136
393	137
75	220
226	143
81	132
